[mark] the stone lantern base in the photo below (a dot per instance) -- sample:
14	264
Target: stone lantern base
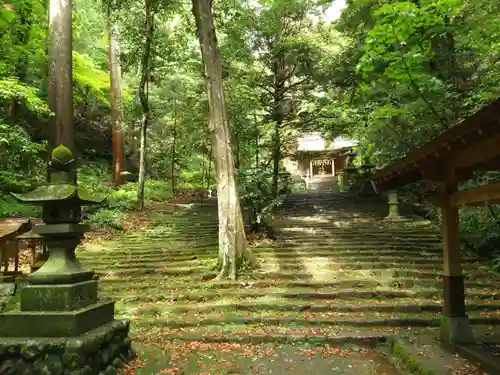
101	351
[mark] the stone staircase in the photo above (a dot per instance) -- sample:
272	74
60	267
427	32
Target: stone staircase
336	268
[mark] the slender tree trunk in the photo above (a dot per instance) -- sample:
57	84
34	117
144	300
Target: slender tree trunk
278	115
143	96
257	133
115	98
276	157
60	84
233	249
174	143
209	169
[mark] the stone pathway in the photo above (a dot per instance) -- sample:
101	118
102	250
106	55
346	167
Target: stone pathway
336	270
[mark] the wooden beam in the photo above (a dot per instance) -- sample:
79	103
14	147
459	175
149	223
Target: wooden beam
435	171
477	153
478	196
435	200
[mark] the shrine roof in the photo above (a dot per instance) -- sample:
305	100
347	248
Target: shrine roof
310	142
473	131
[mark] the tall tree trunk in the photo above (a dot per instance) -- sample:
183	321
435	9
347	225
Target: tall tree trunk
115	99
233	249
143	97
278	115
257	134
60	84
174	143
276	157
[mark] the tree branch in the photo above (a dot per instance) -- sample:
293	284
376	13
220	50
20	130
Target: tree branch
414	84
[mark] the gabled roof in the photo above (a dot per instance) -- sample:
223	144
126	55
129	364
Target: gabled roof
315	142
472	145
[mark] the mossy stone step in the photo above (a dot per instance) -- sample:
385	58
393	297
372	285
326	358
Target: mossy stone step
292	295
370	341
130	260
123	254
263	253
312	240
425	319
334	266
343	256
132	264
160	271
377	306
238	285
160	285
384	273
354	321
364	246
209	238
121	262
192	249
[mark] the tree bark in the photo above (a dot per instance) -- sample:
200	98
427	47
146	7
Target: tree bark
60	84
115	99
278	115
233	249
143	97
174	143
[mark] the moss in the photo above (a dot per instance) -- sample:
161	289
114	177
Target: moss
62	154
411	363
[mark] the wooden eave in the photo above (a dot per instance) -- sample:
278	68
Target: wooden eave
472	145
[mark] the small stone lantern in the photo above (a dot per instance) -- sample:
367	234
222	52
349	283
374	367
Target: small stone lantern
392	200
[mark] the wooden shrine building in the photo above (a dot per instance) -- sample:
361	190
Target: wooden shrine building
311	155
471	146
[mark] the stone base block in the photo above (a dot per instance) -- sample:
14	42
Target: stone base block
454	331
59	297
394	218
101	351
56	324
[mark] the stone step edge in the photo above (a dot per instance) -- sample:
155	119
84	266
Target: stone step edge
144	262
346	266
370	341
200	270
387	322
316	308
217	285
341	294
211	252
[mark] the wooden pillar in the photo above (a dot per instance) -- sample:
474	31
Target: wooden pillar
333	167
311	167
455	326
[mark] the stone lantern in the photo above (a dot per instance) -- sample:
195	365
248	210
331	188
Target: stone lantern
60	300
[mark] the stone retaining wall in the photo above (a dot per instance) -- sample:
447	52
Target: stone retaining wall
99	352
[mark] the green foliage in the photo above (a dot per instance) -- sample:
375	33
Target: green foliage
20	164
11	89
10	207
91	79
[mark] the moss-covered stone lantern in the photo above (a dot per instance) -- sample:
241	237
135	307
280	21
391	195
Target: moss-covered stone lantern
60	301
61	202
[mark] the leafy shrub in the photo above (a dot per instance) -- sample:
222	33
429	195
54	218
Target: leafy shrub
20	165
111	214
105	218
489	246
256	195
10	207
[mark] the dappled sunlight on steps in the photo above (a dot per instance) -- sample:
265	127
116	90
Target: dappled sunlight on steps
336	265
